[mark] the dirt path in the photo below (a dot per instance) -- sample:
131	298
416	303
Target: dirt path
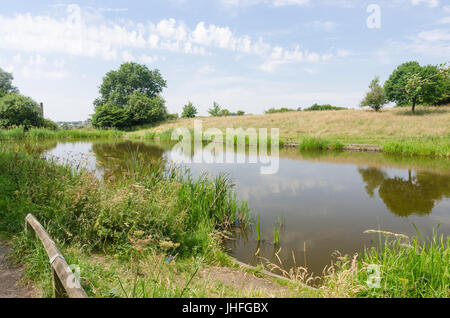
10	277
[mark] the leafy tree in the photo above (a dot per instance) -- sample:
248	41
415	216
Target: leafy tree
18	110
215	110
143	109
110	115
375	98
6	83
411	84
130	96
189	111
444	99
225	112
240	113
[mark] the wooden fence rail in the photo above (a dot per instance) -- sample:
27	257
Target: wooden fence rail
65	283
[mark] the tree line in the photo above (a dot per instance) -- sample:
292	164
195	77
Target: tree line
411	84
131	96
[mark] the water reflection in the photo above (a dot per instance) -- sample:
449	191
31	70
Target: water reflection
326	199
416	194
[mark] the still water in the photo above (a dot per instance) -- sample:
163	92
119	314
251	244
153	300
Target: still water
324	200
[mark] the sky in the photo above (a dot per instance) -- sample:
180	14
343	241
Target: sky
248	55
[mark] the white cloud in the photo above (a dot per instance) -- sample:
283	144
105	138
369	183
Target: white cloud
429	3
280	3
445	20
322	25
38	67
272	3
74	35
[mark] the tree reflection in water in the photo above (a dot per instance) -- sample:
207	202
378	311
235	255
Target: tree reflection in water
416	195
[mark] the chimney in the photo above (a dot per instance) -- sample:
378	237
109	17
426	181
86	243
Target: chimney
42	109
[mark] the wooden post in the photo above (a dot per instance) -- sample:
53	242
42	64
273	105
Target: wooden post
42	109
65	283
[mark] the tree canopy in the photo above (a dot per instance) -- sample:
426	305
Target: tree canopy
189	111
375	98
129	97
411	84
6	83
18	110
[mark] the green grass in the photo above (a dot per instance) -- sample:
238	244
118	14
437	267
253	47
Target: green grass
397	267
316	143
427	146
42	133
150	208
410	267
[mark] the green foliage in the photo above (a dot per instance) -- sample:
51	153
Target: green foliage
215	110
409	267
279	110
189	111
425	146
110	115
412	84
317	107
315	143
166	205
225	112
240	113
130	96
375	98
143	109
172	116
18	110
6	83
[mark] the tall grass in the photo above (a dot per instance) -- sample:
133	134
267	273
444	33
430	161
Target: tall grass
407	268
316	143
426	146
167	206
42	133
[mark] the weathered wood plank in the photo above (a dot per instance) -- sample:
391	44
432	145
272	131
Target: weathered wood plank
65	283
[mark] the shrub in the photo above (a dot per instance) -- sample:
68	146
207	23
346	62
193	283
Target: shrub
189	111
317	107
18	110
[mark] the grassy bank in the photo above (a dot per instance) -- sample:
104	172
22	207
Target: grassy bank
400	267
154	232
42	133
396	130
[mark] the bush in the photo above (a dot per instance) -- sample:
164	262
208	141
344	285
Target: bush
280	110
18	110
317	107
240	113
130	96
189	111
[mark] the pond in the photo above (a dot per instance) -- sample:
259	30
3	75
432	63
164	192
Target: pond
320	201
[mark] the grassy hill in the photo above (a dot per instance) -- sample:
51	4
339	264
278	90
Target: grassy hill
430	125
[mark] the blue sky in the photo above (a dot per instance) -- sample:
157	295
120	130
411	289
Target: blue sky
244	54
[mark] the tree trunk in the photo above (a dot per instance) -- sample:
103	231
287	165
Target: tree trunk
413	105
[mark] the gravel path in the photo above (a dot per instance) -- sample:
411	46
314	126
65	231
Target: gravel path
10	277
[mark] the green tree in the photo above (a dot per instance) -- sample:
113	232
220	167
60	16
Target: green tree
215	110
411	84
130	96
6	83
444	99
143	109
189	111
18	110
375	98
224	112
240	113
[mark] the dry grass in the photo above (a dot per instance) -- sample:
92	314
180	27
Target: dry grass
349	126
